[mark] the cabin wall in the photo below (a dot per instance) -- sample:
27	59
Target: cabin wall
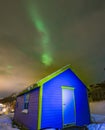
52	100
51	106
30	120
82	106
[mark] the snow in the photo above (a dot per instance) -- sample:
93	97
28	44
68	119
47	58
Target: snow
6	123
96	126
98	118
98	115
98	122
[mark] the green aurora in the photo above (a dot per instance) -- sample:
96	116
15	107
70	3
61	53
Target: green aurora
46	56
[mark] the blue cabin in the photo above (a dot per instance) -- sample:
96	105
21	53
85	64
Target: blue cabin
57	101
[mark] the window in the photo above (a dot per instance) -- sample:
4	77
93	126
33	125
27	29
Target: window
26	101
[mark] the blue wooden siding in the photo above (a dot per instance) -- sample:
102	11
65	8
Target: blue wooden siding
30	120
52	100
82	107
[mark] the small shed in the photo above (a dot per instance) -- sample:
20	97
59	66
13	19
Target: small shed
57	101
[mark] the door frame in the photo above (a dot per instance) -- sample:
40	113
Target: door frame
69	88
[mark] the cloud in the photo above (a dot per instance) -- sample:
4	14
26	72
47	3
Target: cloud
77	37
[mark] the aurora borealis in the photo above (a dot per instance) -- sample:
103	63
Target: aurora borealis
46	57
37	37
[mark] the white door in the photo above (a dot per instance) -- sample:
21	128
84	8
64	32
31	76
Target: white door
68	103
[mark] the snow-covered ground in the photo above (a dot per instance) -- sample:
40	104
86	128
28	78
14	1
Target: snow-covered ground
96	126
98	115
98	122
97	119
6	123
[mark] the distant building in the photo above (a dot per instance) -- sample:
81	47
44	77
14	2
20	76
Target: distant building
9	102
97	92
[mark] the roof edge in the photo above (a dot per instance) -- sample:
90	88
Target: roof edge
28	89
45	79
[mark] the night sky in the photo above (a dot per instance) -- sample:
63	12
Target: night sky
37	37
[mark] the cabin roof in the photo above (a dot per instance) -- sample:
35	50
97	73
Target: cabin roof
47	78
42	81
